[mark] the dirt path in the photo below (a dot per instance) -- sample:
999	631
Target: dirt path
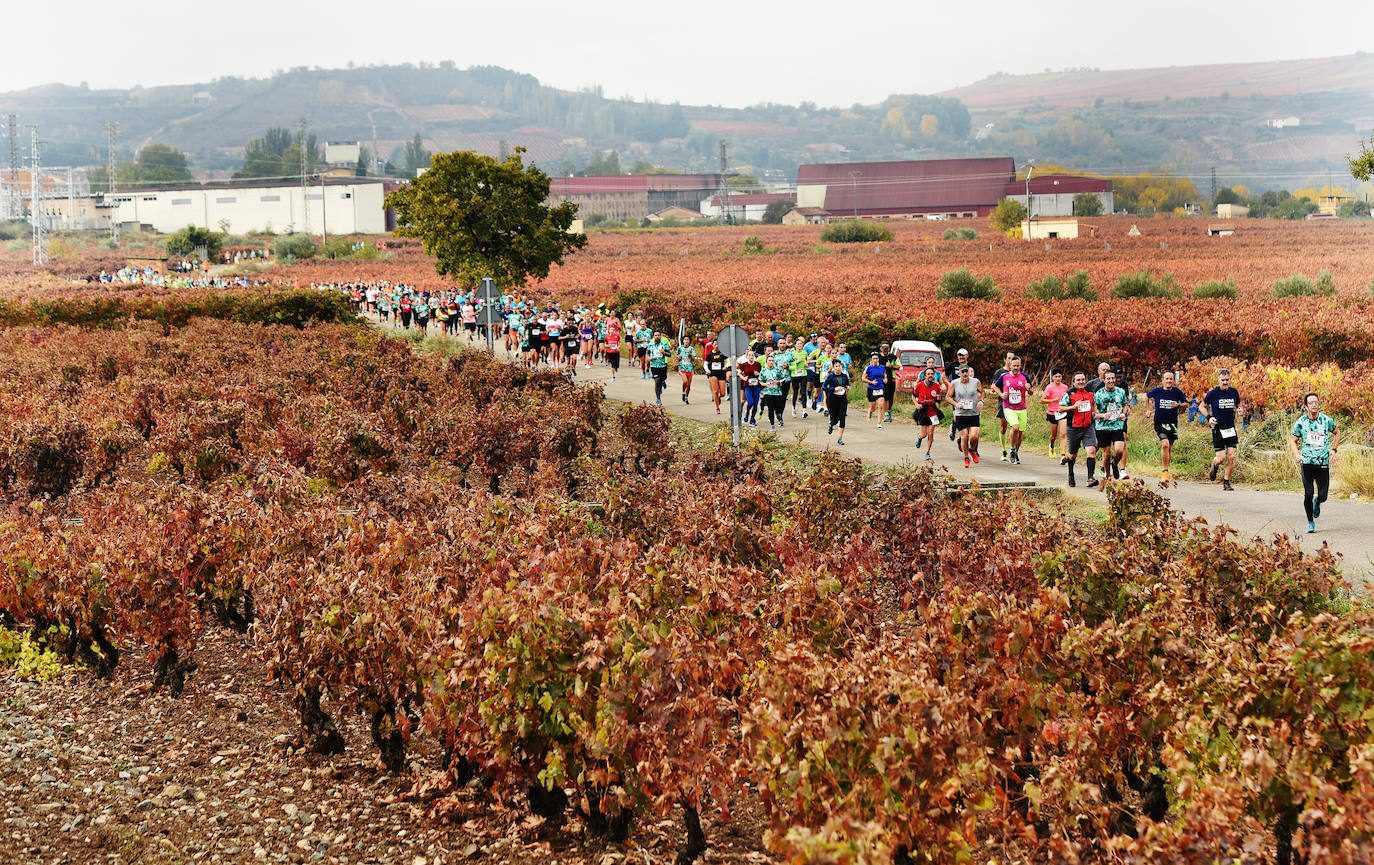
1345	525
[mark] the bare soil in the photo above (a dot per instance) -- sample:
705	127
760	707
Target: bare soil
114	772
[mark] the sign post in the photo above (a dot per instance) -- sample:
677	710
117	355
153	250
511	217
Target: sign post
734	342
490	316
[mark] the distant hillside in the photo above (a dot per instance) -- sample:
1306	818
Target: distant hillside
1186	119
1284	78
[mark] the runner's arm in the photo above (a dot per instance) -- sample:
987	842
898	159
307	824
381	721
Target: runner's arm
1335	438
1293	446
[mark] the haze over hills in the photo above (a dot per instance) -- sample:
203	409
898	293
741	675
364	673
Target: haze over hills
1184	119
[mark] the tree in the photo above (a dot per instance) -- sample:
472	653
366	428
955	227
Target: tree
1227	195
161	165
416	156
479	216
776	210
1008	215
1362	163
746	183
278	155
191	238
364	165
1087	204
603	164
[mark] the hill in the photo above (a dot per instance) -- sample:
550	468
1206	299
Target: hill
1188	120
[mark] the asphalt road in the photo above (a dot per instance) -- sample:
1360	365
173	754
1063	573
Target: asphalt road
1347	526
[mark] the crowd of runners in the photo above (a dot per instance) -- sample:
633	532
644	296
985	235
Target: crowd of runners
785	376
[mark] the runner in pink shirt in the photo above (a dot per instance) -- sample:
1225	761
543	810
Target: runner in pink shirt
1053	416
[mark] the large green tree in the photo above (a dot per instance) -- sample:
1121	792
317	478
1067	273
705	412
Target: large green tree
416	156
156	165
278	155
480	216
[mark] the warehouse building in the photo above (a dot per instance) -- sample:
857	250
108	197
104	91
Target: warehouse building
914	189
352	205
633	196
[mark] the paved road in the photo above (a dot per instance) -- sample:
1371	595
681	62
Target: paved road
1347	526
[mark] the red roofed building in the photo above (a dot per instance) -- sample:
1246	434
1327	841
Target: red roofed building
1052	194
949	188
633	196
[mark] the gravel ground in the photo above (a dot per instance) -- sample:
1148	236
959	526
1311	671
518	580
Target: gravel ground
110	771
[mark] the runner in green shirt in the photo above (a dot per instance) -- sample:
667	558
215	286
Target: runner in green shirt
1314	439
1111	408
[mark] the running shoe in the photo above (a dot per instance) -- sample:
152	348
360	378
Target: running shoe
684	399
1092	482
887	417
1124	477
794	410
975	458
772	428
803	413
831	431
1212	473
1311	527
1063	460
929	457
658	402
1015	459
1072	482
880	426
1316	509
781	424
965	462
717	410
1226	485
1004	456
839	441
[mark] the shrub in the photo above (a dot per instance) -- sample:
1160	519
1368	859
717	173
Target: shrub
950	234
822	249
1077	286
1142	283
294	246
336	247
962	283
855	231
967	234
1008	215
1087	204
1298	285
191	238
1212	288
754	246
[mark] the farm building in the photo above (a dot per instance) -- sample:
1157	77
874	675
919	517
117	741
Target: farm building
953	188
1049	229
1232	211
804	216
1221	229
683	214
1053	194
744	207
339	205
633	196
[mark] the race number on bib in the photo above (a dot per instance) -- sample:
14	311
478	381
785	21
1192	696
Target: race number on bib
839	391
966	404
1013	395
1060	415
1228	433
1085	406
1316	438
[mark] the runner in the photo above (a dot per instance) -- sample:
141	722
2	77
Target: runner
1111	408
1080	429
782	360
928	392
686	366
1001	412
658	349
797	371
952	374
715	364
1053	416
1097	384
966	395
749	369
642	335
874	380
1167	399
1219	406
836	386
890	361
1012	387
1314	439
571	346
771	377
613	350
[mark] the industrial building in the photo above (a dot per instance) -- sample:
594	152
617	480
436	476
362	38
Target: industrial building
633	196
743	207
936	189
918	189
353	205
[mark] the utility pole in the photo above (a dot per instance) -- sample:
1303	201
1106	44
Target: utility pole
1214	185
725	186
854	189
324	214
305	203
40	255
112	127
15	208
376	163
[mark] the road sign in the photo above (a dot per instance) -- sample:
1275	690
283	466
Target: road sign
490	314
733	340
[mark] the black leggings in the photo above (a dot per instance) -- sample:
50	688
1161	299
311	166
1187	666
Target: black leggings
838	406
798	390
613	360
660	374
774	402
1318	476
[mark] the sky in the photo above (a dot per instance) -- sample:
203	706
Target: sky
699	53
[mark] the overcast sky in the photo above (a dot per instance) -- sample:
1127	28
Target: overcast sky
732	54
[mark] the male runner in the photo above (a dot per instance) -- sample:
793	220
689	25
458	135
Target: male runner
1111	408
1219	406
1013	387
1314	439
966	395
1167	398
1001	413
1081	431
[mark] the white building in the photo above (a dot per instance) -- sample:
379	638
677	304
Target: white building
352	205
342	153
1283	122
1049	229
744	207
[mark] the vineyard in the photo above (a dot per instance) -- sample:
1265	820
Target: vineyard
548	605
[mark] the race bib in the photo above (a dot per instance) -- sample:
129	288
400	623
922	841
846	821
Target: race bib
1060	415
1228	433
839	391
716	366
753	381
1013	395
1085	405
1315	438
966	404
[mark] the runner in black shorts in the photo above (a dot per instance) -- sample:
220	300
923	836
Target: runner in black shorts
1220	406
1166	398
1081	430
